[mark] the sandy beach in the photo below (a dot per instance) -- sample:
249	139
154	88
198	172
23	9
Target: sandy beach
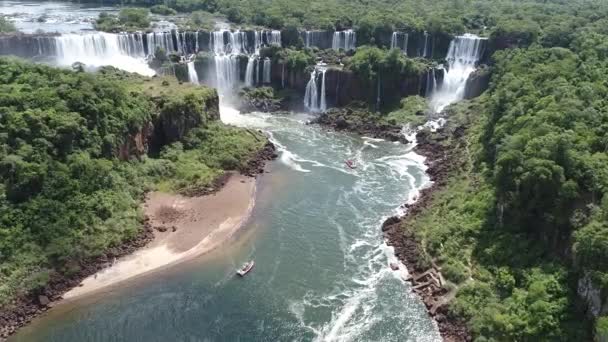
194	226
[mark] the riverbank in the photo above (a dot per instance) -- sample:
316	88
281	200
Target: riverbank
425	276
176	228
184	228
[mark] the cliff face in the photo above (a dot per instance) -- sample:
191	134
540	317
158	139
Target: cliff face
175	117
477	82
597	304
343	86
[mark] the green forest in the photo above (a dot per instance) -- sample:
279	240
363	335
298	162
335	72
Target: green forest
521	219
523	216
73	172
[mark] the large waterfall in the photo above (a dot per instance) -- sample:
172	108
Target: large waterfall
311	96
100	49
313	100
344	40
227	46
462	58
250	70
323	106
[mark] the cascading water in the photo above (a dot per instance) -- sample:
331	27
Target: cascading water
312	38
272	37
159	40
266	69
250	70
192	75
344	40
426	53
463	54
399	41
99	49
226	58
311	96
313	100
323	106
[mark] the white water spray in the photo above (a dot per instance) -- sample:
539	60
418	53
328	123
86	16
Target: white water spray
311	96
99	49
463	54
192	75
345	40
323	100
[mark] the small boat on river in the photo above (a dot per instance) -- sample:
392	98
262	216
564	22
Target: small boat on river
350	164
246	268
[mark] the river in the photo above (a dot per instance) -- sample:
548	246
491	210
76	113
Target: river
322	268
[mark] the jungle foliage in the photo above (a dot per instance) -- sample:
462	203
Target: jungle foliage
526	215
128	19
72	176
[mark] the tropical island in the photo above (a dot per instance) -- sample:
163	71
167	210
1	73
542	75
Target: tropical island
508	242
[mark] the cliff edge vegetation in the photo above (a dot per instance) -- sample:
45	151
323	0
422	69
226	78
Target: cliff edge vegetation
78	151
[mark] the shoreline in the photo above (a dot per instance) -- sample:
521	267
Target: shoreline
181	233
427	283
22	310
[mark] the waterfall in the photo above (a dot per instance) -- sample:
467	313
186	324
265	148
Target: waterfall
257	70
227	53
266	69
313	100
192	75
257	42
309	40
227	72
272	37
399	41
463	54
426	43
310	96
323	106
249	79
98	49
162	40
344	40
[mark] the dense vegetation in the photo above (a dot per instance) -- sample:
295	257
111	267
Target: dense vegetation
162	10
128	19
74	166
524	17
525	217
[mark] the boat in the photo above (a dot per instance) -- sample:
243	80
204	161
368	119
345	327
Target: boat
246	268
350	164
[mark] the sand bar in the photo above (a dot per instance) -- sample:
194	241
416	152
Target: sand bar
201	224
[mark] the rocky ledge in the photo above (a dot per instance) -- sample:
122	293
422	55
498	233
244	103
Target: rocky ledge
428	282
360	121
